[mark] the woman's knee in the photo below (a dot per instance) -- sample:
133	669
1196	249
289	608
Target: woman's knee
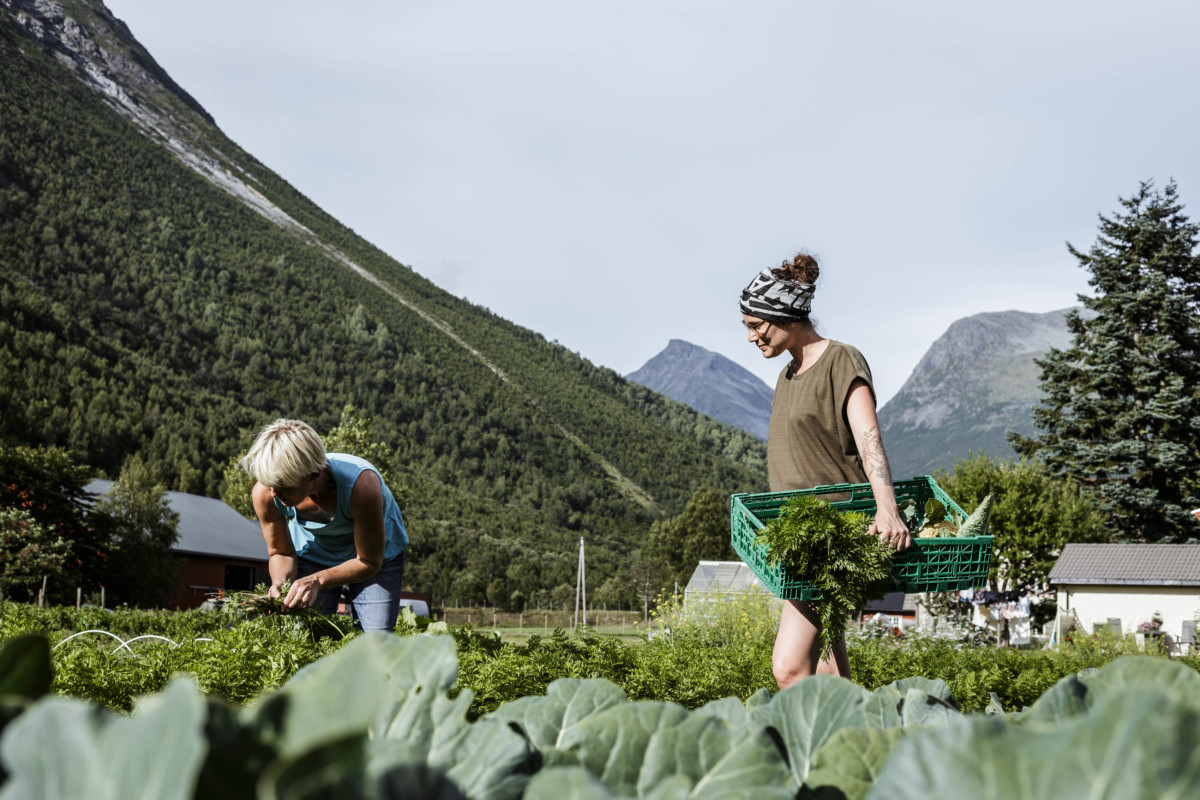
790	668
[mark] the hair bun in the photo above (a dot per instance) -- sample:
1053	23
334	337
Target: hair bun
802	268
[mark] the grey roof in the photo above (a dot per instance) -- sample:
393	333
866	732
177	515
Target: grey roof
1128	565
891	603
723	576
208	527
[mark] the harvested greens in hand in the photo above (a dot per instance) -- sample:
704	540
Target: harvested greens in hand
258	601
834	552
259	604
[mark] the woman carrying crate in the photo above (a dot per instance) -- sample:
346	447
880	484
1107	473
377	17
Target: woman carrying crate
823	431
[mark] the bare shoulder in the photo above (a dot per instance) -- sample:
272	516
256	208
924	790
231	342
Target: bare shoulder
368	488
263	502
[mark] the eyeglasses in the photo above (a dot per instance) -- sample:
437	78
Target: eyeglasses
757	328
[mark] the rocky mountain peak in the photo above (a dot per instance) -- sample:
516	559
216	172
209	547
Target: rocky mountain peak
103	53
975	383
100	49
710	383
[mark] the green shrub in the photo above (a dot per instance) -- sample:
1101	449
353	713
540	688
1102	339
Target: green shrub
1018	677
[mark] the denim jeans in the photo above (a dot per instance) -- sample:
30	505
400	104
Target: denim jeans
374	603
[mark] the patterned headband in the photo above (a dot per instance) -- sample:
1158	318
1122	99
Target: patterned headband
773	298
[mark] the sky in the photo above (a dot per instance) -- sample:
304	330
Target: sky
612	174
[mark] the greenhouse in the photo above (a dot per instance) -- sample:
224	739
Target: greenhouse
721	577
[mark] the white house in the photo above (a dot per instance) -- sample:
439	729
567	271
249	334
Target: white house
1124	585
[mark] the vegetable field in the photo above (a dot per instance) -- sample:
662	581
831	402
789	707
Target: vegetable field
293	706
377	718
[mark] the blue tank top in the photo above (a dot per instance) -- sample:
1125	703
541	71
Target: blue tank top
332	543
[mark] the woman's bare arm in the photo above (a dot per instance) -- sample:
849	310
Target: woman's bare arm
366	508
281	556
864	424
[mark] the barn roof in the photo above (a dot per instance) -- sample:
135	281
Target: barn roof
208	527
1128	565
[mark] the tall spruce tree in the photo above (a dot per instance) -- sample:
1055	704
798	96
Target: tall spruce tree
1120	411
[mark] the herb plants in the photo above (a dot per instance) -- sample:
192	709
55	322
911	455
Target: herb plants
834	552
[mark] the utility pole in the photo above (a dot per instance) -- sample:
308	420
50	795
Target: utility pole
581	588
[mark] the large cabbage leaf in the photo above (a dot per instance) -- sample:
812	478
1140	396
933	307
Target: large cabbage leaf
547	718
62	747
487	760
653	749
919	708
1075	695
1178	680
808	713
1140	744
935	687
730	709
576	783
377	679
847	766
344	768
645	749
382	699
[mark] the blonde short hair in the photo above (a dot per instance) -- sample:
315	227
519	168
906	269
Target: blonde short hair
284	454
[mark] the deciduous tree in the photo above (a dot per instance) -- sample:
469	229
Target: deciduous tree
29	553
1034	515
49	486
701	532
353	435
143	568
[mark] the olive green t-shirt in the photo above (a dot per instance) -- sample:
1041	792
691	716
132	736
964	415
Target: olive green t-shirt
809	442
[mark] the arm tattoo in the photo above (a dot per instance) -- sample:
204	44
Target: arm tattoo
874	459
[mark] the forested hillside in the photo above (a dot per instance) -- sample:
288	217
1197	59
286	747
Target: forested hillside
145	310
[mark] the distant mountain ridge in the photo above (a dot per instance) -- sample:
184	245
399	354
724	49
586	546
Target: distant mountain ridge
711	384
976	382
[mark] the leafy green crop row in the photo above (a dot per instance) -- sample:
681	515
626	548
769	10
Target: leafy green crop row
693	658
376	719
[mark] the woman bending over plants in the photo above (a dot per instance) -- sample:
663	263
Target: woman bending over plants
329	521
823	430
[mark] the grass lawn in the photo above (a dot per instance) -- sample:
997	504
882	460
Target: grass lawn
518	627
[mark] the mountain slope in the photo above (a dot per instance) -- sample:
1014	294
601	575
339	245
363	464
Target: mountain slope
976	382
711	384
162	292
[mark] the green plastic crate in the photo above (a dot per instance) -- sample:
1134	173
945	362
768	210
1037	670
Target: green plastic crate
930	565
